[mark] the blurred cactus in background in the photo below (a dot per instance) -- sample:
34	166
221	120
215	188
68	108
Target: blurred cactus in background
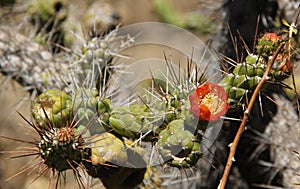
194	21
48	18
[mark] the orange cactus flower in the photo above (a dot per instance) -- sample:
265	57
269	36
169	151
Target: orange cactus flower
271	37
209	102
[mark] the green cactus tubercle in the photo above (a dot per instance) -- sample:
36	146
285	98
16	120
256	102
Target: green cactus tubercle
179	147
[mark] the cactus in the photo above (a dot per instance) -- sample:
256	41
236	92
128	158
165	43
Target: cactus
111	158
178	146
110	141
48	17
95	132
61	149
92	67
246	75
90	111
52	109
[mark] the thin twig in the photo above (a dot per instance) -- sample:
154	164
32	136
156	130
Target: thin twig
245	118
293	27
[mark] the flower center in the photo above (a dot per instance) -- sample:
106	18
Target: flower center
213	103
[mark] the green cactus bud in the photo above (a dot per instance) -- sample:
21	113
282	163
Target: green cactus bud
52	108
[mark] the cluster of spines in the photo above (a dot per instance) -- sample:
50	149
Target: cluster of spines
61	149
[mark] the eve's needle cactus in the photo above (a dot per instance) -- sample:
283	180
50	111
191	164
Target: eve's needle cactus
80	127
246	75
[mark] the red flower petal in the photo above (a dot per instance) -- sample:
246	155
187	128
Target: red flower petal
209	102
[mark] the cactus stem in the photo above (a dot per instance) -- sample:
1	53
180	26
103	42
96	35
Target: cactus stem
245	118
35	151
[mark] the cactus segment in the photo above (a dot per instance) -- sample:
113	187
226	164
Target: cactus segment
267	44
246	75
179	147
52	108
61	149
135	120
107	148
282	67
92	66
110	158
92	111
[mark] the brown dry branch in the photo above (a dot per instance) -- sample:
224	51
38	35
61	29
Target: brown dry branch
239	133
